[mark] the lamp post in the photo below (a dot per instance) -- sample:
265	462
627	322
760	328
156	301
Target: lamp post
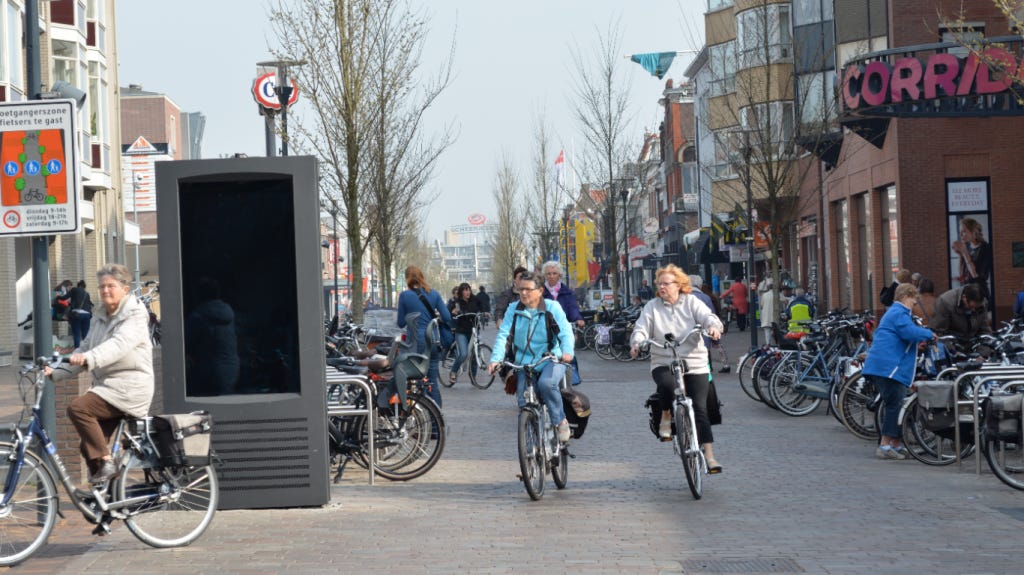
752	311
624	191
334	252
284	93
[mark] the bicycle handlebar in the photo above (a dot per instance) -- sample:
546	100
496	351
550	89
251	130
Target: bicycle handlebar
543	359
670	339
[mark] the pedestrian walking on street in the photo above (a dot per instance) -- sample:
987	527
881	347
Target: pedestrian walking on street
738	291
80	312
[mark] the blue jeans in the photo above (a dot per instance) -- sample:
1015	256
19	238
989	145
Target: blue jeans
893	393
546	386
79	322
462	345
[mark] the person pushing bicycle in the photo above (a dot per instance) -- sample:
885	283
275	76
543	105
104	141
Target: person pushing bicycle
677	311
536	327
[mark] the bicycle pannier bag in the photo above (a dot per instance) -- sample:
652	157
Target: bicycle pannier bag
936	404
183	439
577	411
1003	417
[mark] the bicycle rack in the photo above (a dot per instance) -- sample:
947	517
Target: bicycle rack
1006	373
335	409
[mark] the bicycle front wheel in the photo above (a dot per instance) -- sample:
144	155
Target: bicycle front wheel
531	453
478	375
28	518
857	406
744	371
689	451
175	504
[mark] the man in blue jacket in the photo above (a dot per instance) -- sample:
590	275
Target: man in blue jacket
556	289
890	364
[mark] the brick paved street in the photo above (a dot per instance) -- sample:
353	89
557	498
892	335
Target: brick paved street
798	495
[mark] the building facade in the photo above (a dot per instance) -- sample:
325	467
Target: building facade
77	46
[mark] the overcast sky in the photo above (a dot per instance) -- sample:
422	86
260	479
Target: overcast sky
512	59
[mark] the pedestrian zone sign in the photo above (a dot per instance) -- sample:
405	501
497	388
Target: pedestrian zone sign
38	168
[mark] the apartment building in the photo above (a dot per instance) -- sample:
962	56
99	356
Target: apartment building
77	46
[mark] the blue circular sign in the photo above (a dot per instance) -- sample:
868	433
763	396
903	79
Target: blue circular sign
11	168
54	167
32	167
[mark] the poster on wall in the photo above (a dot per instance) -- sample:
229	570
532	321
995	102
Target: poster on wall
970	233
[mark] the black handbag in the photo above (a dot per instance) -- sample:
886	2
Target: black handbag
444	330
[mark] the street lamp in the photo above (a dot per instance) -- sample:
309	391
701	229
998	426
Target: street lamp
334	232
625	245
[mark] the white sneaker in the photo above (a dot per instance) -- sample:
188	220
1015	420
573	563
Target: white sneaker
665	429
564	433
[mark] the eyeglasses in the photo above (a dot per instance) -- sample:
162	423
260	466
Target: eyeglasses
526	289
666	284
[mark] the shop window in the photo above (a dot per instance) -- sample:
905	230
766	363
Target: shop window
841	231
862	205
890	235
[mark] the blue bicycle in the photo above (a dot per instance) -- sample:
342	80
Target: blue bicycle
163	506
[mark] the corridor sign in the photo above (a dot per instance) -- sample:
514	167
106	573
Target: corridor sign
38	168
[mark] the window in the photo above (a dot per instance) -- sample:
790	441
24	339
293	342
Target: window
725	154
965	34
862	205
806	11
764	36
890	235
816	101
841	217
722	61
771	125
13	54
94	102
718	4
65	61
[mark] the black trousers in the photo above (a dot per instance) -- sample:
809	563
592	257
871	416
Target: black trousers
696	390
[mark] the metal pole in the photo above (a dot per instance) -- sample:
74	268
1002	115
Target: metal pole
625	245
751	311
135	216
268	131
284	93
334	215
42	323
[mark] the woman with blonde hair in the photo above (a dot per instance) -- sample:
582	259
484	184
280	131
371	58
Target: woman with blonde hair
677	311
975	253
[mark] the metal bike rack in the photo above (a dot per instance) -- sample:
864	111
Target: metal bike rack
993	373
339	410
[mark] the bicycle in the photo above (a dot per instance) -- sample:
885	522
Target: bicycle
137	494
147	294
540	451
684	424
478	356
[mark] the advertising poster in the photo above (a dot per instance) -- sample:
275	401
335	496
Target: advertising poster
969	233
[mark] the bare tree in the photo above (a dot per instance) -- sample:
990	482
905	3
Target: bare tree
600	105
543	217
508	243
402	160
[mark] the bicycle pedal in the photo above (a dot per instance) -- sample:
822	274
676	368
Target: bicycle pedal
101	530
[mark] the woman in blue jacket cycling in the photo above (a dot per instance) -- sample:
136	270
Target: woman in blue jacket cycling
530	342
890	364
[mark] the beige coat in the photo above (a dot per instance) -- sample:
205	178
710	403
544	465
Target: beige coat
119	355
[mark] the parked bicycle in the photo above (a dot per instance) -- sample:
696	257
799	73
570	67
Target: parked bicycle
684	423
148	293
478	355
163	506
540	452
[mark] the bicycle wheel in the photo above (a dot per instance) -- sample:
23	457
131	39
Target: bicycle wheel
28	518
761	376
447	361
560	468
478	375
590	336
781	388
604	350
178	502
689	451
531	453
927	446
577	334
621	352
857	406
407	446
1006	459
744	370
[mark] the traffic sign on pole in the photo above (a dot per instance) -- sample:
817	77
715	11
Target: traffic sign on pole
38	168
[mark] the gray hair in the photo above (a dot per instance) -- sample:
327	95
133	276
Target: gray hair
536	278
552	264
799	291
116	271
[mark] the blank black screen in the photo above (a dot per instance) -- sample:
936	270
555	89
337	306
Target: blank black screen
239	293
